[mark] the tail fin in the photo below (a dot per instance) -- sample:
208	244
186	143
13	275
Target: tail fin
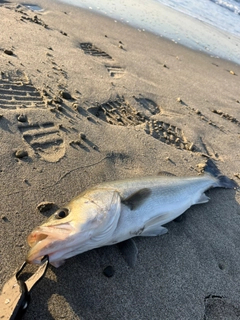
222	181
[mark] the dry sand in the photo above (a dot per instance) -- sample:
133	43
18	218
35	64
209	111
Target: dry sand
138	104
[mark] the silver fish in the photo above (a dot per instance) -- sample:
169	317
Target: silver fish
113	212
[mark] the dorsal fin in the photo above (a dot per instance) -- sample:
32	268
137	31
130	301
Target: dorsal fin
166	174
137	198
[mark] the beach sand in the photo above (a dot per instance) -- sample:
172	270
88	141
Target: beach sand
85	99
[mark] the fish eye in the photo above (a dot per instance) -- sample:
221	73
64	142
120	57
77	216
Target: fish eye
62	213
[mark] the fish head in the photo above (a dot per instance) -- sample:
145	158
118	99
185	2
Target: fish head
87	222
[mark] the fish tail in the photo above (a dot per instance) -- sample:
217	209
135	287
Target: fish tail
222	181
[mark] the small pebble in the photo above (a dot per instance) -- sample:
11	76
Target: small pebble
65	95
82	135
8	52
221	266
179	100
27	182
75	106
237	175
57	100
201	167
64	33
108	271
21	154
59	108
190	146
77	142
44	92
22	118
232	72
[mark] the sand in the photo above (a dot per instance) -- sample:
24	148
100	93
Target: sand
85	99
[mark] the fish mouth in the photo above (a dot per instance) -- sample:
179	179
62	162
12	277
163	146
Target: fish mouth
47	240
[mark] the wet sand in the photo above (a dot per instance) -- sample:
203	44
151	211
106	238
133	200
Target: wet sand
84	99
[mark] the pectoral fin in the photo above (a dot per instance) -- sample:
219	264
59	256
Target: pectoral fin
129	251
154	230
58	263
137	198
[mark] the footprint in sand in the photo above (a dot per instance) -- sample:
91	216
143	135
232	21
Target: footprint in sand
148	104
18	94
169	134
94	51
120	112
16	91
114	71
45	139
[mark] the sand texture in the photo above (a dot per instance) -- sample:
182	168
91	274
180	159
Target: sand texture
84	99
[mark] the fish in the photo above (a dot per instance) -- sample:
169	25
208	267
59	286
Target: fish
115	212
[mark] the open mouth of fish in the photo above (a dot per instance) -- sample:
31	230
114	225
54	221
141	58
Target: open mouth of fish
47	241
